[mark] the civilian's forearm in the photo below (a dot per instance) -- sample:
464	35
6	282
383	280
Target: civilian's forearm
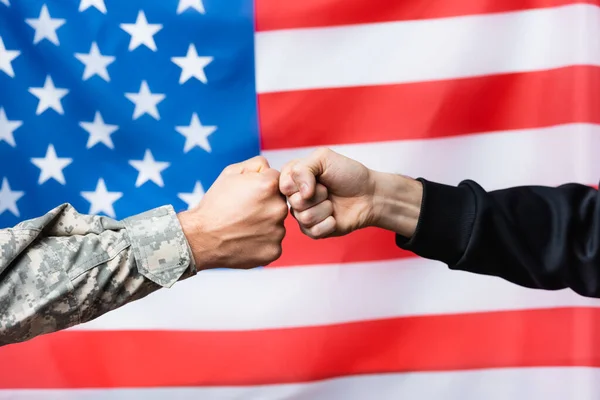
397	203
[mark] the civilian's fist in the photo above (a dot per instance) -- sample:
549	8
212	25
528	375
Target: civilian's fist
330	195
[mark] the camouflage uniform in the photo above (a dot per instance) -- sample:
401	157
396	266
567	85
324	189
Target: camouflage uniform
65	268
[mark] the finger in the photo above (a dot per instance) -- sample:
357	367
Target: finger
254	164
321	230
305	180
268	180
280	210
273	174
306	171
287	186
314	215
300	204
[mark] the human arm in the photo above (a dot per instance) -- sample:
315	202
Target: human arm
533	236
66	268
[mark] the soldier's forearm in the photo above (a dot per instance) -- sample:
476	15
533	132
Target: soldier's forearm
66	268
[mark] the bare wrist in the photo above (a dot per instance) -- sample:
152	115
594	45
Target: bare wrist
397	203
193	233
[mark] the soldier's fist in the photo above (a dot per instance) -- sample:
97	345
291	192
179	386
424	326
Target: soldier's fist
239	221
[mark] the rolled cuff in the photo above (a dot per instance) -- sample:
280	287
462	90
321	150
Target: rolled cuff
160	248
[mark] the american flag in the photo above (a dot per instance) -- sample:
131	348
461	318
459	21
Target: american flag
119	106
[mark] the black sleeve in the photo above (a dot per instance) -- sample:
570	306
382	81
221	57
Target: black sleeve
533	236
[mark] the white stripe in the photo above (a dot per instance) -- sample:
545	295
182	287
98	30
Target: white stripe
518	383
448	48
305	296
546	156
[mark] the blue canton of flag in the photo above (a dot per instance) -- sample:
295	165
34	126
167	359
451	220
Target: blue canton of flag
120	106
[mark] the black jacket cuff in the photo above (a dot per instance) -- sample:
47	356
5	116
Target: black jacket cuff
445	223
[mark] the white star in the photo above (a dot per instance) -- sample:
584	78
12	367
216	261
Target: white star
99	131
49	97
195	4
192	199
192	66
9	198
102	200
51	166
95	63
45	26
142	32
6	57
6	2
196	134
149	169
145	102
99	4
7	128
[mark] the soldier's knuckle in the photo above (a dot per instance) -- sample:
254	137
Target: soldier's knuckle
269	185
261	159
229	169
281	210
271	253
276	252
280	233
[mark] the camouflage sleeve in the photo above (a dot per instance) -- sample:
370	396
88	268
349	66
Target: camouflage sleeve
66	268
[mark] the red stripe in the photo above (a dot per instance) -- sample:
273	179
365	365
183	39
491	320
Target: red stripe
429	109
278	14
76	359
363	245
